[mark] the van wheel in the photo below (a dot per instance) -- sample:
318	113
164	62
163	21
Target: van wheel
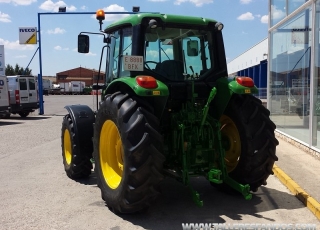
7	116
23	114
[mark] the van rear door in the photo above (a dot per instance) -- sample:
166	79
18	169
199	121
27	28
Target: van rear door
23	92
33	94
28	90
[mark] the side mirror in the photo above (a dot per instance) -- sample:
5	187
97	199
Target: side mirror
192	48
83	43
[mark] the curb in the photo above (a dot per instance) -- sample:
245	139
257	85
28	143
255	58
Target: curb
305	198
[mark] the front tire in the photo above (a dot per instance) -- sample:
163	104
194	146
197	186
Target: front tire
249	141
76	161
127	153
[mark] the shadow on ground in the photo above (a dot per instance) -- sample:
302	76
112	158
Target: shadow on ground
31	118
8	122
175	206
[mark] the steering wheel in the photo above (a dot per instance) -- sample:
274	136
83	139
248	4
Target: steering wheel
147	66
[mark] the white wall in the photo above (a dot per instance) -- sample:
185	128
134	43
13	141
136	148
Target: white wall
251	57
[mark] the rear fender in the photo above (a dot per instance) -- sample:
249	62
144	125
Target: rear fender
159	91
83	119
226	87
156	97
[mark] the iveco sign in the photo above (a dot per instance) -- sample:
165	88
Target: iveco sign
28	35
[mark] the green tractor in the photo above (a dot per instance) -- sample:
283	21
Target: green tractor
167	109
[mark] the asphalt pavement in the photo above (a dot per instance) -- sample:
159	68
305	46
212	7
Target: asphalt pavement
35	192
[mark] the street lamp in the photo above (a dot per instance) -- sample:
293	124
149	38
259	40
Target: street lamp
62	9
135	9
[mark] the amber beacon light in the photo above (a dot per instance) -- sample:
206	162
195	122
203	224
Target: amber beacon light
100	16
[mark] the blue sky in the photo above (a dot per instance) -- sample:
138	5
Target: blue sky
245	24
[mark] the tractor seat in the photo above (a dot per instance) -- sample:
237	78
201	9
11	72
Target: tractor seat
171	69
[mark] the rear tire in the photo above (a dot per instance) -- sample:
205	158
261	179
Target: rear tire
76	162
250	161
24	114
127	153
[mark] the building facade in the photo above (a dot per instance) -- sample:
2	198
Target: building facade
253	63
89	76
293	69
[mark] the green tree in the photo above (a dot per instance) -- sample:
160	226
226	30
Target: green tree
17	70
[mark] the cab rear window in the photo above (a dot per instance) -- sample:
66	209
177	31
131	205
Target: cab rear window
23	84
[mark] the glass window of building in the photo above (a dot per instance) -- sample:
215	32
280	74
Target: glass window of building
316	81
293	5
278	11
290	55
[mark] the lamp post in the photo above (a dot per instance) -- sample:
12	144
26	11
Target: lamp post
62	10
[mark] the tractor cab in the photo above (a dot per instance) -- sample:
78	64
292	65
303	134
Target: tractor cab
166	47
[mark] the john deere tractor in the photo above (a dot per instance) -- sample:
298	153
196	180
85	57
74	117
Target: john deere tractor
167	109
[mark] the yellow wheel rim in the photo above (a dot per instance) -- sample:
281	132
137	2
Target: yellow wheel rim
111	154
67	146
231	142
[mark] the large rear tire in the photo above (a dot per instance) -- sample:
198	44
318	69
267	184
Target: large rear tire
249	141
76	161
127	153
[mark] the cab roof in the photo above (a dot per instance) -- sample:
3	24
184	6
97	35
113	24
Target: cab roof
136	19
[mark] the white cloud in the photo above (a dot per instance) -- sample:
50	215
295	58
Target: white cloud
15	45
49	5
56	31
21	56
157	0
264	19
19	2
113	8
276	13
83	7
4	17
245	1
90	54
60	48
198	3
246	16
258	15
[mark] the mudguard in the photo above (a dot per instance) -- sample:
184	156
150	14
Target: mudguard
83	119
226	87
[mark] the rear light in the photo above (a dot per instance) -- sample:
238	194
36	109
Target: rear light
147	82
17	96
245	81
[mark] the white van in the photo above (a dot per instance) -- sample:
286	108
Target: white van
4	97
23	94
